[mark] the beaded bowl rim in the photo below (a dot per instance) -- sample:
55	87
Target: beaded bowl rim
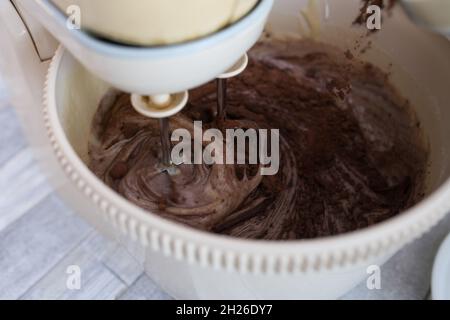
228	253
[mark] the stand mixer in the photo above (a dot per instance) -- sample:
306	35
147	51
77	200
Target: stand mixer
158	76
156	71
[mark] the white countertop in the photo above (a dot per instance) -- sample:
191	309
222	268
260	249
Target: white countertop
40	236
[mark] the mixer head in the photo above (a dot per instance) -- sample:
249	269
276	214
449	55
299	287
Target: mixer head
155	69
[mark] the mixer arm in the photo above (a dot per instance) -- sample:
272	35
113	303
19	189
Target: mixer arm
159	69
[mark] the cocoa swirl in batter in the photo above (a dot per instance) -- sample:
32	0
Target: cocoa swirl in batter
351	153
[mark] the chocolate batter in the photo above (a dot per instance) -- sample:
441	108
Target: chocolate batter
350	147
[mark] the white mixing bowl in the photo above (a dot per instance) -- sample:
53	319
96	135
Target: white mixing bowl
192	264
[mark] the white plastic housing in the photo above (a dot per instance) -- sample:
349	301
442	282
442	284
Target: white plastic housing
155	70
156	22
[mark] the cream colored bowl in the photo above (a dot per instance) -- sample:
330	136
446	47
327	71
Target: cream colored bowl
191	264
432	14
157	22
